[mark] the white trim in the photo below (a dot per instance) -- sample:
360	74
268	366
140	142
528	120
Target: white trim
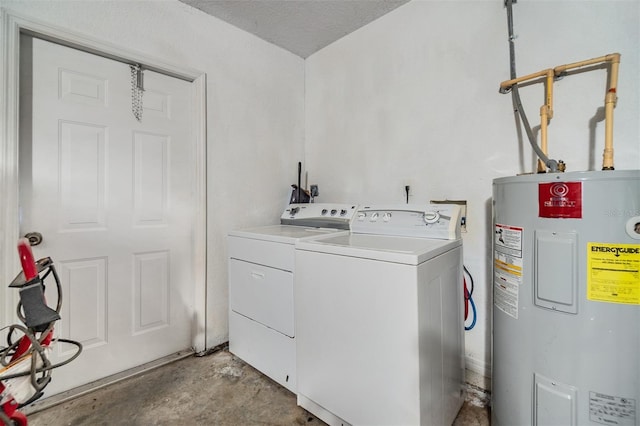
9	108
478	366
200	217
83	42
11	25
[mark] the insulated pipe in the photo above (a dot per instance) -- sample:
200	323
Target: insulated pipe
544	119
546	114
505	86
613	57
515	95
609	104
546	111
610	100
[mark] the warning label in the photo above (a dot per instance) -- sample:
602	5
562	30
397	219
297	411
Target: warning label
507	268
612	410
613	273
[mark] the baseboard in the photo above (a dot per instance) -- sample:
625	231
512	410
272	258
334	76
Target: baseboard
478	378
62	397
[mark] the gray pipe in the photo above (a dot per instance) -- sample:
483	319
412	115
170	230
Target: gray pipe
515	95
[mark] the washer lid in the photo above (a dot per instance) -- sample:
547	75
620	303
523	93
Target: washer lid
406	250
287	234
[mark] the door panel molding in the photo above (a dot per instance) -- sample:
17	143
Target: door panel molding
11	27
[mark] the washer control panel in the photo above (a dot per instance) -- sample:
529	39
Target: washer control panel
319	215
439	221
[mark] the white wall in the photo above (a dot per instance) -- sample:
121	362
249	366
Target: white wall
409	99
255	110
412	98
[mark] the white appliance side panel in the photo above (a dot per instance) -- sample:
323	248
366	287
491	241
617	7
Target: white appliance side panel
277	255
357	337
441	331
324	415
263	294
268	351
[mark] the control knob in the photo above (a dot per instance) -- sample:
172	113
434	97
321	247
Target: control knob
431	217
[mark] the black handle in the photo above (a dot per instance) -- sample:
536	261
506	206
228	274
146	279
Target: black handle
299	178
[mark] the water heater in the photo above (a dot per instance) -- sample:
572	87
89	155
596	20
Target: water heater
566	308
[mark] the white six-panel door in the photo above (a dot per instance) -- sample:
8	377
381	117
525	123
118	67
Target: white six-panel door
113	199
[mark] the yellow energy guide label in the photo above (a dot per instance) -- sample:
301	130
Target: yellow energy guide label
613	273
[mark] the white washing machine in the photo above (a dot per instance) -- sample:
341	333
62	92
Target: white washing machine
261	272
379	319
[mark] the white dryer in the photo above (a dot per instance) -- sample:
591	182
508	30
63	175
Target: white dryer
261	273
379	319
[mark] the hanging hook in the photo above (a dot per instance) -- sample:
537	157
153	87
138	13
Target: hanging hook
139	77
137	89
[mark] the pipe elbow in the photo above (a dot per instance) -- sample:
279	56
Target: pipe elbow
560	70
614	58
505	87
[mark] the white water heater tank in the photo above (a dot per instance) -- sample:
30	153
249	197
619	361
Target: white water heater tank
566	299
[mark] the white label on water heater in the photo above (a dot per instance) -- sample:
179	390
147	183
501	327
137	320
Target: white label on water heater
612	410
507	268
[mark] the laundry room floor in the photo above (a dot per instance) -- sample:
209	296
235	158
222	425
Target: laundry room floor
217	389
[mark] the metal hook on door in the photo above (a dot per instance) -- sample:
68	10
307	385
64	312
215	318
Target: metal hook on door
137	89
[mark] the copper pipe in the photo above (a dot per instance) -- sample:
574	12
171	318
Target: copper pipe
610	100
506	85
546	111
613	57
544	119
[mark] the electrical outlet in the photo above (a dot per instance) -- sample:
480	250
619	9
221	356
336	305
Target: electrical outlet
463	216
463	211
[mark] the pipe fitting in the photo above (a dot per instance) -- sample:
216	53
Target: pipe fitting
611	97
614	58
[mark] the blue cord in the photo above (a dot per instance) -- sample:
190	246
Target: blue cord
473	309
470	299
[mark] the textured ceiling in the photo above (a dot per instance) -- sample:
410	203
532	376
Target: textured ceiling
300	26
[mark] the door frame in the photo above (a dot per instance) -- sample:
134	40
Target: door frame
11	27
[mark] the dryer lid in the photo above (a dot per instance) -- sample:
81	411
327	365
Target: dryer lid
287	234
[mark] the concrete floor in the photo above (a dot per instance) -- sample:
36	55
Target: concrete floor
217	389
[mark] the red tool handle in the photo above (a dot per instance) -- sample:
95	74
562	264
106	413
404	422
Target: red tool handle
26	259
